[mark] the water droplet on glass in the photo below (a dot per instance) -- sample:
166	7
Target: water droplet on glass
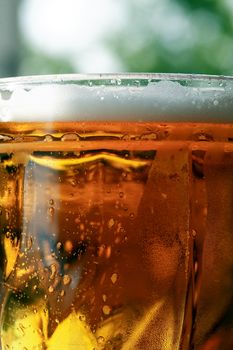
100	340
194	233
66	280
121	194
104	296
111	223
29	243
51	201
53	268
21	327
216	103
51	211
164	195
48	138
59	245
51	289
106	309
70	137
62	293
114	278
4	138
82	318
108	251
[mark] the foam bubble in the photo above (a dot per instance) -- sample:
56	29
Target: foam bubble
163	101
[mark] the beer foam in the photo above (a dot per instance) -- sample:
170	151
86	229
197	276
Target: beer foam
157	101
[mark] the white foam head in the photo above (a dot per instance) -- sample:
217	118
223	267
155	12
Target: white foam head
141	97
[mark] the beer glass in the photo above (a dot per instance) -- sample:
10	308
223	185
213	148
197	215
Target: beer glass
116	212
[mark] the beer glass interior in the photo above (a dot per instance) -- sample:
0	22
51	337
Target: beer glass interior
116	212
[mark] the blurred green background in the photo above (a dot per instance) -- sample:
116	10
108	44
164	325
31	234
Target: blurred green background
73	36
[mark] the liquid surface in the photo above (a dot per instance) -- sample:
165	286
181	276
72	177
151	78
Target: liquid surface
151	97
116	236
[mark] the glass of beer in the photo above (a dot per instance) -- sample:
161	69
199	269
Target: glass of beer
116	212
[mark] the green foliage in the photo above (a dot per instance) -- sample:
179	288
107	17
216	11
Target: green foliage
186	36
33	62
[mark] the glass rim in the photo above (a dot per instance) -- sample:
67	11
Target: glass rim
76	77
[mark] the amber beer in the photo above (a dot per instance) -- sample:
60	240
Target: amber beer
116	213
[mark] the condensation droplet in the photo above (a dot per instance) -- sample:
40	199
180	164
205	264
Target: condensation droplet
51	211
29	243
62	293
106	309
126	137
114	278
59	245
194	233
66	280
53	268
82	318
151	136
216	103
48	138
4	138
111	223
51	201
104	296
51	289
131	215
108	251
100	340
70	137
21	327
121	194
68	246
